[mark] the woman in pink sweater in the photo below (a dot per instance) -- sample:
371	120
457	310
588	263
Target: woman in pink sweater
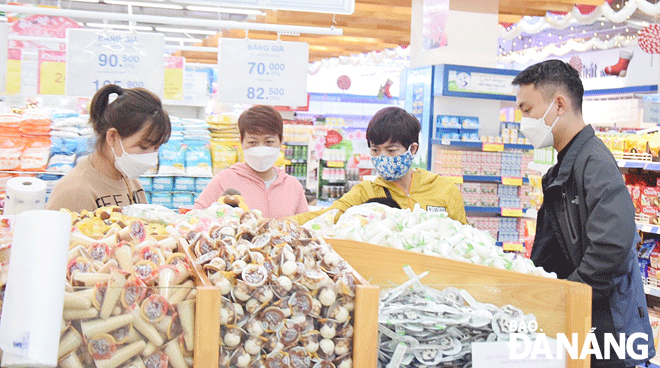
263	186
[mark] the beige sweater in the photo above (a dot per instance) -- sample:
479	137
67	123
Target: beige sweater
84	187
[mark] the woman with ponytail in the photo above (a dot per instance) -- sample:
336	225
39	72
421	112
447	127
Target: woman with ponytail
129	131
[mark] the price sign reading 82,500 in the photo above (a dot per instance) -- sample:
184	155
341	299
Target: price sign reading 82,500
263	72
97	58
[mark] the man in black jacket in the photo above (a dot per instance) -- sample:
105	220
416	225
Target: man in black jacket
585	229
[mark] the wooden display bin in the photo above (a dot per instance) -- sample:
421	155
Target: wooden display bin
207	320
560	306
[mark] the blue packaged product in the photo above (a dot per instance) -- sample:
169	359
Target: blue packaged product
163	199
644	256
184	183
163	183
182	199
198	159
147	183
201	183
172	158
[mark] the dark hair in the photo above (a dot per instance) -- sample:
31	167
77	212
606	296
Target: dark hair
549	76
261	120
393	124
128	113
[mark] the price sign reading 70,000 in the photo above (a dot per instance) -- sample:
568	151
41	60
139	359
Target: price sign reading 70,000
98	57
263	72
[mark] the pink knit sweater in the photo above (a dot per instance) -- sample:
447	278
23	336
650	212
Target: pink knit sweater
285	196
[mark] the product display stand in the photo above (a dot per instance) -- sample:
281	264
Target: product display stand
560	306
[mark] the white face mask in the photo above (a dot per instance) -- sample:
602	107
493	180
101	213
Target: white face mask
261	158
537	131
134	165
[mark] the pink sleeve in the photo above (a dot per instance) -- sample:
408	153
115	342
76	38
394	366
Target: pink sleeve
210	194
302	202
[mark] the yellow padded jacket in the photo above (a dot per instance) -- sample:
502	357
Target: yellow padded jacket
433	193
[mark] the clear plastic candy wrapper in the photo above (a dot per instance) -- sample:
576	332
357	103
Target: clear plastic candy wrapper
420	326
423	232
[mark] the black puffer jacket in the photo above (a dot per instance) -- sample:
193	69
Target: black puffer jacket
586	233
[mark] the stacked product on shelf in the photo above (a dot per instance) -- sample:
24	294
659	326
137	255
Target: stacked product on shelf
42	143
457	128
644	189
296	160
225	140
478	163
184	165
297	135
332	183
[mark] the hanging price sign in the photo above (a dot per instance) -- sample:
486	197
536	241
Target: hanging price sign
52	69
13	78
174	66
263	72
99	57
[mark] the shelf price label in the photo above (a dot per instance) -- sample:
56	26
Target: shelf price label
513	247
455	179
263	72
512	181
173	89
52	69
13	78
512	212
493	147
127	59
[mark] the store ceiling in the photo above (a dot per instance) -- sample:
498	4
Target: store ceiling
375	25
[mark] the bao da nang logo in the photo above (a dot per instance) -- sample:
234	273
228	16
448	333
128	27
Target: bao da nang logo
525	343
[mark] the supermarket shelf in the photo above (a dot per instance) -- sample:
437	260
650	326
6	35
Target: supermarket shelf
632	164
288	161
652	290
541	168
489	179
504	212
33	172
175	175
471	209
296	144
480	144
299	177
646	165
646	228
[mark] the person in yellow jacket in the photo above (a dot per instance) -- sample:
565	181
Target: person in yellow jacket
393	139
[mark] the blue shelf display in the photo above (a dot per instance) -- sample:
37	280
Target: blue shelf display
487	179
454	143
646	165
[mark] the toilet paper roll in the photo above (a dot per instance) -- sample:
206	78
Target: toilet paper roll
34	297
25	194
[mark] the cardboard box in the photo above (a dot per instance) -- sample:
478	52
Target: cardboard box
652	214
649	197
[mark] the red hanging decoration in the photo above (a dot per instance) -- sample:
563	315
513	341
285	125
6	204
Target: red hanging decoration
576	63
649	39
344	82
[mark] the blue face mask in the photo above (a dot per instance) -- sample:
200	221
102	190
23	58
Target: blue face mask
393	168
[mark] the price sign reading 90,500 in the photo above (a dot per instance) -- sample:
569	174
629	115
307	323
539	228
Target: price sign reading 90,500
259	93
125	84
118	61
